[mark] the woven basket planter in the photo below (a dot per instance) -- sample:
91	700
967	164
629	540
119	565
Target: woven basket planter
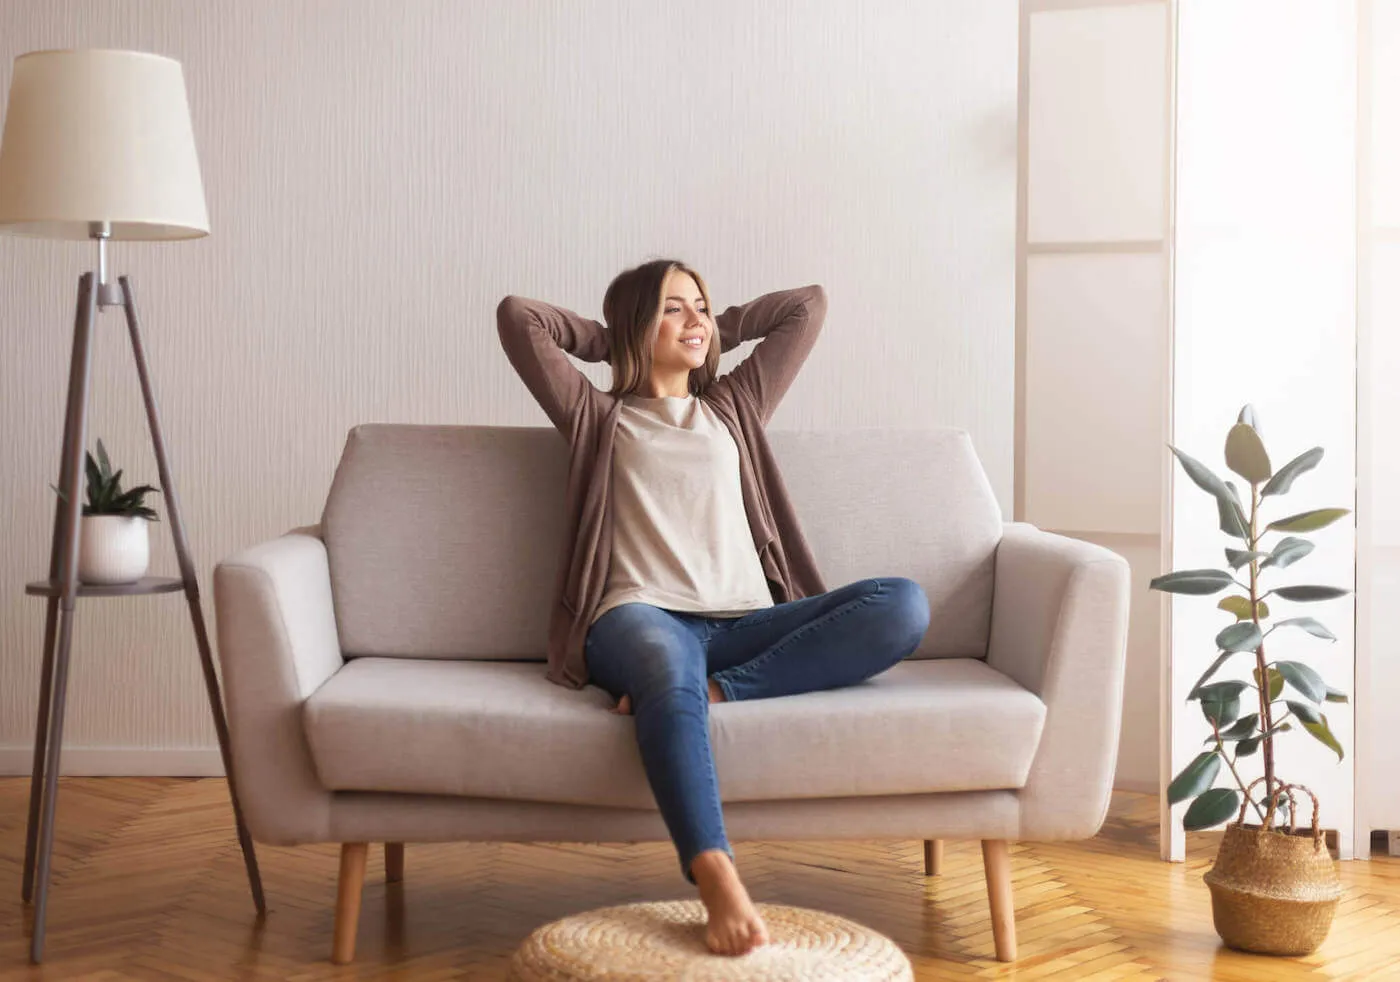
1273	892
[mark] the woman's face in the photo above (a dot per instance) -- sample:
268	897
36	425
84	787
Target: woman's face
686	330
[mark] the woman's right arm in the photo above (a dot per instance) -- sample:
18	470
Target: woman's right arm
536	337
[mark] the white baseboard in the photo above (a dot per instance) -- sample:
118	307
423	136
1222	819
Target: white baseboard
120	762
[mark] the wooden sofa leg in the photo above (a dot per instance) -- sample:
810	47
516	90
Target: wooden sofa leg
933	857
996	858
393	862
347	901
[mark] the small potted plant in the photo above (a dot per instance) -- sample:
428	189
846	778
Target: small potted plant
1273	888
114	542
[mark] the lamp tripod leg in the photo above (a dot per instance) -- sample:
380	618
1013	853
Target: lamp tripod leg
187	574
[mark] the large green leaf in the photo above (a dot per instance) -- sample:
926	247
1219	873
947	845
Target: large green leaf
1313	627
1288	551
1211	808
1311	594
1240	557
1309	521
1245	454
1203	477
1305	711
1232	518
1241	728
1304	679
1221	711
1239	606
1223	690
1241	636
1323	733
1283	479
1194	778
1205	676
1199	582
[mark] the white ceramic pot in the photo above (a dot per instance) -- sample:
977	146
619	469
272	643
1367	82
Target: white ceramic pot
113	549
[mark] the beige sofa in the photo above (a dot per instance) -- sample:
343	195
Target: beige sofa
385	680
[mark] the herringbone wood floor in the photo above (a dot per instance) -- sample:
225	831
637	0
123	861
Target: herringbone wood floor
149	885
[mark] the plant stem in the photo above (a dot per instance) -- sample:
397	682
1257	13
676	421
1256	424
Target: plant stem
1265	721
1220	747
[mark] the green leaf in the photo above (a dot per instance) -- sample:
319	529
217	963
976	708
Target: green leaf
1335	695
1232	518
1310	594
1246	747
1287	552
1221	711
1301	464
1239	606
102	458
1223	690
1203	477
1238	557
1309	521
1241	728
1245	454
1305	711
1304	679
1194	778
1323	733
1199	582
1240	636
1275	682
1313	627
1205	676
1211	808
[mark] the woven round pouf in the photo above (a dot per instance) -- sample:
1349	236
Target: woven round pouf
666	940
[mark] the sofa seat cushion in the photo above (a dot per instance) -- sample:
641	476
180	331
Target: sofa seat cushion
491	729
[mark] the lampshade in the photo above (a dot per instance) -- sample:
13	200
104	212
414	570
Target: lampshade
99	136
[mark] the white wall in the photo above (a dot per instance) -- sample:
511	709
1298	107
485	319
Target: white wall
1093	322
1265	301
1378	450
380	173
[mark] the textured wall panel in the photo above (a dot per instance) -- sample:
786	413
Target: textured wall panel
380	173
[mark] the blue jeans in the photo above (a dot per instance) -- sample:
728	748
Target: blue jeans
663	660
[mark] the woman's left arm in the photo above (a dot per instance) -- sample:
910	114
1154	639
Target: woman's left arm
788	323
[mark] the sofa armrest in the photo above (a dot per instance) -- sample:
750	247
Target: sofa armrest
1060	629
277	645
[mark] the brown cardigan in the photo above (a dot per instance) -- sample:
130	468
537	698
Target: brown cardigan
536	336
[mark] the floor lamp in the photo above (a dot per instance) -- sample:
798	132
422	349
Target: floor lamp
98	145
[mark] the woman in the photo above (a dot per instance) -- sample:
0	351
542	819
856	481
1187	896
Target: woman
685	578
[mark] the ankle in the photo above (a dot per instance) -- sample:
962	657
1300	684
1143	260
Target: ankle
712	864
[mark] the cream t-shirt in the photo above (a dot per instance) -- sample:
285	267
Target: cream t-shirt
681	537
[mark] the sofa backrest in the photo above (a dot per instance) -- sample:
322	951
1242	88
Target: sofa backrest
444	541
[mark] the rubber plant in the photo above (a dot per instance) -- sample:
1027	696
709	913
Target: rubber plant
1246	716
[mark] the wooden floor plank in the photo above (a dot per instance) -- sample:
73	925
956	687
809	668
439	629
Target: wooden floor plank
148	884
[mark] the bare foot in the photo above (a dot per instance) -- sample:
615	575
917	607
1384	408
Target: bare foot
735	926
624	705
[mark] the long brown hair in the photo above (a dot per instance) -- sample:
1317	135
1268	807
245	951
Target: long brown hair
632	308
